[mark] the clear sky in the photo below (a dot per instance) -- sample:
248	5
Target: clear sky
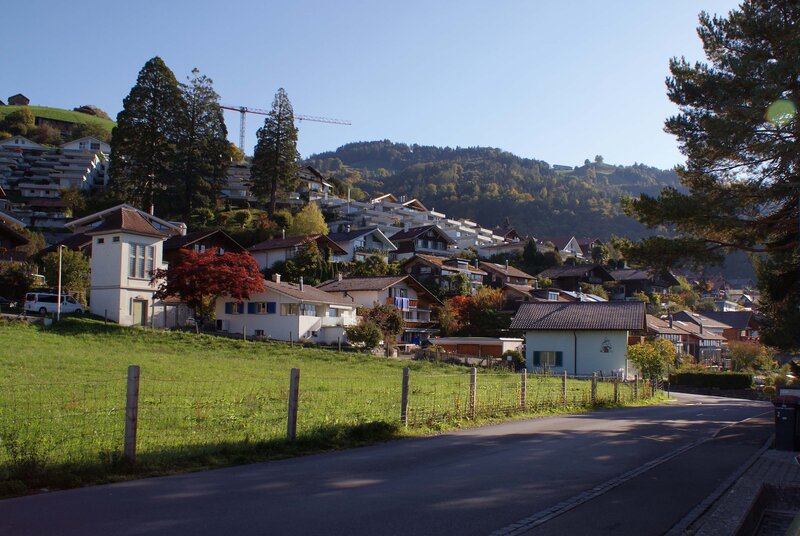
558	81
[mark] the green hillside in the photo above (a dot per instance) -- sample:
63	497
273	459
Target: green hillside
60	114
489	184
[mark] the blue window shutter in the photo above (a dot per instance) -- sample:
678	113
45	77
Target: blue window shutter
537	359
251	308
228	308
559	359
271	307
240	307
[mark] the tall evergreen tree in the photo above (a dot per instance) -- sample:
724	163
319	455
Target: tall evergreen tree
144	142
738	128
203	149
275	157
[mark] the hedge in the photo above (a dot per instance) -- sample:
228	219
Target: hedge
713	380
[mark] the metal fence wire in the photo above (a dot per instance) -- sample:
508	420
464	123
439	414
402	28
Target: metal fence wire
51	424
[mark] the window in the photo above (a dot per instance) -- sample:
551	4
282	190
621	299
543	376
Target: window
141	261
308	309
548	359
234	308
101	240
288	309
552	296
259	333
115	239
95	146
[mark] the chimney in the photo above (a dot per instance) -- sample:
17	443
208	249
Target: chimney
701	327
340	276
506	265
347	228
276	278
301	283
670	321
283	233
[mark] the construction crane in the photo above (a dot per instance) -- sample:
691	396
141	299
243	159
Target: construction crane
244	110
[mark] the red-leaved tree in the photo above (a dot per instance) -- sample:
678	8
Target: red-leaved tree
200	277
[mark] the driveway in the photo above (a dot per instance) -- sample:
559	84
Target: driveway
656	463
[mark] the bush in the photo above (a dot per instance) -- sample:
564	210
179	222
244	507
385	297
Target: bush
713	380
517	359
367	335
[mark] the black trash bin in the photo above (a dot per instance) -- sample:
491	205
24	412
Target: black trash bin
786	422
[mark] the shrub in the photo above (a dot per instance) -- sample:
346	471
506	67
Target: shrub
366	335
517	359
713	380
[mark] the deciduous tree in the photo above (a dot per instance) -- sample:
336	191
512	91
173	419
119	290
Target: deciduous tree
308	221
652	357
75	270
201	277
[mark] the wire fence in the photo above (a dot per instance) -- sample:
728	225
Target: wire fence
102	423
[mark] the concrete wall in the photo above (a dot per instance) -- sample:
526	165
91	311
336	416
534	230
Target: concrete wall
590	347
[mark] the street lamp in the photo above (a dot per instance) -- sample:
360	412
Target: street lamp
58	293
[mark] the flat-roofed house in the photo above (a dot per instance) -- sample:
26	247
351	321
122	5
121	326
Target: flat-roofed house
578	337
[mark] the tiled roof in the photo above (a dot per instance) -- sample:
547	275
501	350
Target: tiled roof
128	220
182	241
74	242
734	319
571	271
12	234
658	325
309	293
362	283
580	316
698	318
440	262
282	243
414	232
347	236
694	329
501	268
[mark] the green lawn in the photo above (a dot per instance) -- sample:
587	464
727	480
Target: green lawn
208	401
60	115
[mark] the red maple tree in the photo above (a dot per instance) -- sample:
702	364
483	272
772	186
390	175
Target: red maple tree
200	277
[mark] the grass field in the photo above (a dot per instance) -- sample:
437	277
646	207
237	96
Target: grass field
60	114
207	401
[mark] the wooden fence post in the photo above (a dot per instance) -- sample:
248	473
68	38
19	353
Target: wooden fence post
131	413
594	388
294	393
564	388
616	390
339	342
523	391
404	397
636	387
473	384
244	332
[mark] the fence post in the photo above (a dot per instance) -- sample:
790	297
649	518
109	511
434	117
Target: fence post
564	388
594	388
616	390
294	393
339	342
131	413
636	387
473	384
404	397
523	390
244	332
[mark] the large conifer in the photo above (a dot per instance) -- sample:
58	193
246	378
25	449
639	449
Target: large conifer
144	142
275	157
739	130
204	151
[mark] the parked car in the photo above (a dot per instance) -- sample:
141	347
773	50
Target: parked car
5	302
48	303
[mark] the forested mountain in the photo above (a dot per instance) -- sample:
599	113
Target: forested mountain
488	185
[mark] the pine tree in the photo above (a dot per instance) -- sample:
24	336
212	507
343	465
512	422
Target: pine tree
738	128
275	157
204	151
144	142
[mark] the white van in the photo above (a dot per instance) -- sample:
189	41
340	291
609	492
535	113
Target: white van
48	303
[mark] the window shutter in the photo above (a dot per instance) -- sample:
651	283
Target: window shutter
271	307
240	307
228	308
537	359
559	359
251	308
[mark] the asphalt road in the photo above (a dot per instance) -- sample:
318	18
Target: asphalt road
475	481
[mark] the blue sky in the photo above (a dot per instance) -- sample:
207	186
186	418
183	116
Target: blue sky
558	81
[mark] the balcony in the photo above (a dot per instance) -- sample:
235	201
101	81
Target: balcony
338	321
412	304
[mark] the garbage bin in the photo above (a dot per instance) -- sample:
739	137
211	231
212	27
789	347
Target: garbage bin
786	422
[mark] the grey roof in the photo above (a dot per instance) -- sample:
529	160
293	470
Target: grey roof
362	283
308	294
698	318
580	316
577	270
509	271
734	319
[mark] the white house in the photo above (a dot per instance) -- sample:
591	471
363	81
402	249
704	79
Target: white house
20	142
415	302
126	248
269	252
362	243
286	312
578	337
87	143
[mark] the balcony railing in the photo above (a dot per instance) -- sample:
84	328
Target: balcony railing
338	321
412	304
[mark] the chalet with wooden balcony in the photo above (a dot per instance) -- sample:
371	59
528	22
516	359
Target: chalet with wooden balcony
415	302
271	251
498	275
200	241
362	243
629	281
435	271
427	240
570	277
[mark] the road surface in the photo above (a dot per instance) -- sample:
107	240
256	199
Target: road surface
647	466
